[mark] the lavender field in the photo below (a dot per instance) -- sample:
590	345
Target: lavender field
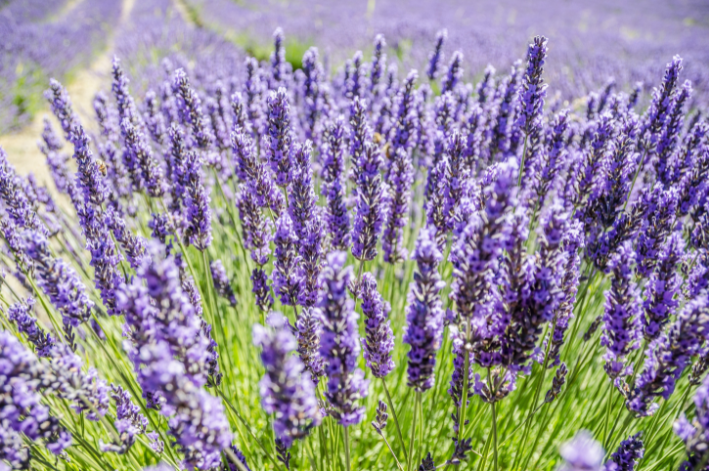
375	235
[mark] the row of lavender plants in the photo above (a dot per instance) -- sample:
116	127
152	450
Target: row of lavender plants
292	270
593	42
42	39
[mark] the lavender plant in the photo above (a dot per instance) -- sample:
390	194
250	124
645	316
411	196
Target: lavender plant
273	263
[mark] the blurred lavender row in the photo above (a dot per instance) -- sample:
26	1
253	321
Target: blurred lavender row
592	41
42	39
156	37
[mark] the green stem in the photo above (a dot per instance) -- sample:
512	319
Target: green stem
347	449
396	420
464	395
494	422
609	400
413	435
524	155
615	424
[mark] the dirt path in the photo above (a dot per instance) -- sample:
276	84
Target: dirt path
21	147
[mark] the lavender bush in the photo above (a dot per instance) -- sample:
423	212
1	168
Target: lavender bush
257	262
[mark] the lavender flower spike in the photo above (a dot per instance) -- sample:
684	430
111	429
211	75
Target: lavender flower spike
621	319
286	391
401	179
196	418
437	56
668	355
221	282
662	291
286	279
339	343
371	209
142	166
629	453
22	408
129	422
533	87
308	331
582	453
424	312
455	72
190	110
379	340
338	220
26	323
198	212
58	280
695	434
279	136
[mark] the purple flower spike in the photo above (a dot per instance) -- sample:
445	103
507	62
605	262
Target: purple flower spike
89	177
379	341
221	282
360	135
261	289
334	186
668	355
286	278
582	453
531	98
20	314
658	112
256	176
664	163
58	280
379	60
61	107
302	198
23	411
662	291
371	207
198	217
533	87
626	457
256	227
695	434
311	251
437	56
504	123
189	108
476	253
401	179
621	320
405	121
286	391
454	73
56	161
196	418
308	328
126	105
129	422
424	313
278	57
142	166
313	71
158	310
339	343
279	136
661	215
